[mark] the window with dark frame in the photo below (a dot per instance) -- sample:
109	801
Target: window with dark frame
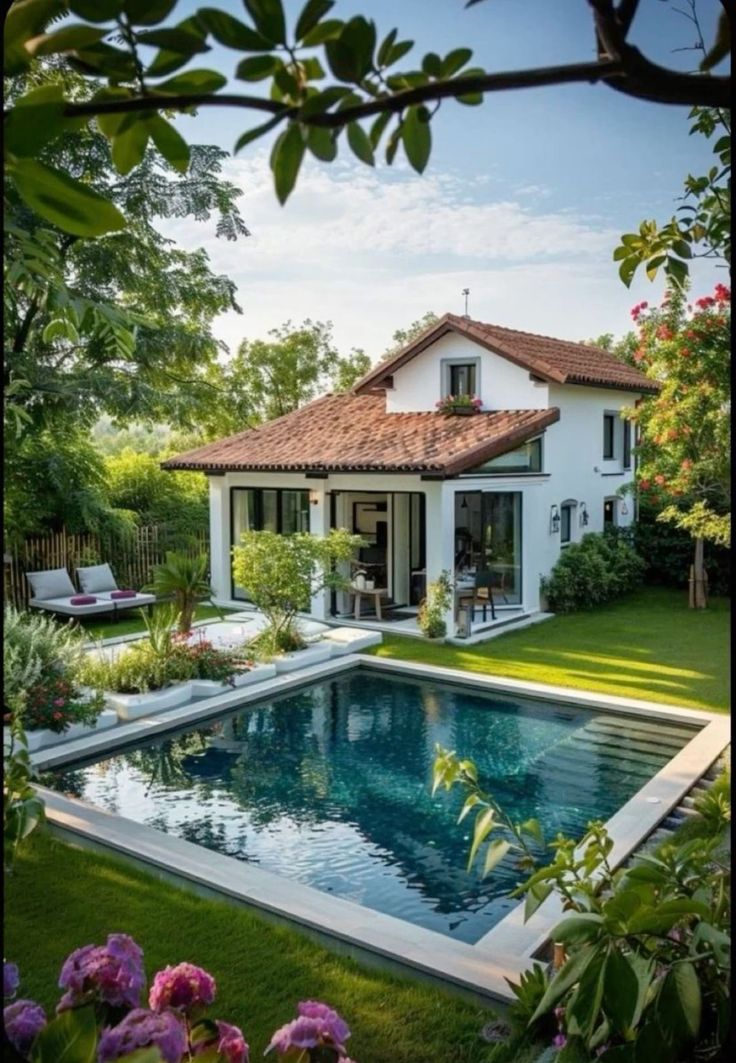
566	512
266	509
627	444
609	436
462	379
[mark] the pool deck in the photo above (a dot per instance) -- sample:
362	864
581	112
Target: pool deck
481	969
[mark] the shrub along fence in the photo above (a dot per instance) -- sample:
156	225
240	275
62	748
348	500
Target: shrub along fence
132	558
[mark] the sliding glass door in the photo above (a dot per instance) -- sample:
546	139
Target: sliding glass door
266	509
488	538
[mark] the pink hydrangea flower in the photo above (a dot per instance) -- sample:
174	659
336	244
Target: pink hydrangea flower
316	1024
183	987
230	1044
112	972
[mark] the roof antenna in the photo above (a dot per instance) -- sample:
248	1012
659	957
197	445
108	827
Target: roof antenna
466	293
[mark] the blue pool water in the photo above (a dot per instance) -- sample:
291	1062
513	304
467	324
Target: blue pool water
331	786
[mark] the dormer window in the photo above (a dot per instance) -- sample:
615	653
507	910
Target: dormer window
461	376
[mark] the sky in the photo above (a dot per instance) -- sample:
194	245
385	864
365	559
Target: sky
523	200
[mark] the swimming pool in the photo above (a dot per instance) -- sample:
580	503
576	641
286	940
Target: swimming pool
329	785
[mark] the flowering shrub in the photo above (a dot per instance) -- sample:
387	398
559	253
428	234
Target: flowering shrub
431	614
102	1015
450	403
42	664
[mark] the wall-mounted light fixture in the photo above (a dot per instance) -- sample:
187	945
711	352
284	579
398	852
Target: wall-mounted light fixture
623	508
314	497
554	520
583	514
464	503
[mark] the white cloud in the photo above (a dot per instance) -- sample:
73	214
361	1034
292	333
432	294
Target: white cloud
372	250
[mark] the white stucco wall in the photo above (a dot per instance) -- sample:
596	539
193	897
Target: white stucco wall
502	386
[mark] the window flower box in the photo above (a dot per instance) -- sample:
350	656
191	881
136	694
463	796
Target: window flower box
459	405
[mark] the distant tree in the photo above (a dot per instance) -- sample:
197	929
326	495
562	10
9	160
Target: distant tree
269	378
403	336
136	482
683	453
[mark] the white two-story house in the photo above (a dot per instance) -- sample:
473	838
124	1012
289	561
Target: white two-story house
502	490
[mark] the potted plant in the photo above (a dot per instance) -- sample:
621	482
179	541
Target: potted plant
462	405
431	616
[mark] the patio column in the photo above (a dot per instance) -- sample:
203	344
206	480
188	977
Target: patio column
220	560
440	536
319	524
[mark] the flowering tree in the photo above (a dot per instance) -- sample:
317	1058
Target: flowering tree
684	431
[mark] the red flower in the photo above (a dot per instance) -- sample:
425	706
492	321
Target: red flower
664	333
644	485
659	479
58	715
684	352
723	294
705	302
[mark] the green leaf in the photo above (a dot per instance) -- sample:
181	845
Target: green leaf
573	1052
360	143
571	972
351	55
71	1037
398	51
35	120
199	81
620	991
322	101
67	39
417	137
677	270
661	919
96	10
484	824
109	124
454	61
148	12
535	896
495	854
257	131
68	204
378	127
432	65
286	158
257	67
581	927
583	1009
653	265
385	47
627	269
311	14
231	31
60	328
722	44
534	828
103	59
129	144
321	143
682	248
169	142
175	40
470	802
679	1003
325	31
268	16
472	99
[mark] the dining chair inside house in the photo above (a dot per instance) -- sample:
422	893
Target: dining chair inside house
481	596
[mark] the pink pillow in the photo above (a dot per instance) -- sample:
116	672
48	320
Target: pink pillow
123	594
82	599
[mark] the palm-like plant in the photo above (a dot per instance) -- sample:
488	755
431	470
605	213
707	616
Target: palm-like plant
182	578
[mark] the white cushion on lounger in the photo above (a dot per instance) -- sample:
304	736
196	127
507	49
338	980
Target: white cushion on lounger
65	607
54	583
123	603
96	578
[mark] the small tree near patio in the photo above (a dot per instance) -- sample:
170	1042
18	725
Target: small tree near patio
683	454
282	573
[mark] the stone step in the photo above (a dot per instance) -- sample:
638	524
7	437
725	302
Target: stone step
613	727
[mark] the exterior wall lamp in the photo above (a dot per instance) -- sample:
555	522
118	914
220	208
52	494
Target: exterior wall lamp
624	509
314	497
583	514
554	520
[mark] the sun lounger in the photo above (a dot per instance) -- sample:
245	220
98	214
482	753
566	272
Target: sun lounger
54	592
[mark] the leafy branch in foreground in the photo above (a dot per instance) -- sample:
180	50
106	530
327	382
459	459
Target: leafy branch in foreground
113	40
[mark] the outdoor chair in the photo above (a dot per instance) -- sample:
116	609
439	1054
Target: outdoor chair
481	597
53	591
99	581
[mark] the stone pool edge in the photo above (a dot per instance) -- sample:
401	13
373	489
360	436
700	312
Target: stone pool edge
504	952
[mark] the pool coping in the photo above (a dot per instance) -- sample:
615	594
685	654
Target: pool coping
482	968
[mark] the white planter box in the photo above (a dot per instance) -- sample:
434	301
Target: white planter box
255	675
209	687
132	706
43	738
346	640
290	662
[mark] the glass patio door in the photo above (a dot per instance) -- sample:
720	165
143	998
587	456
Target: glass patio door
501	544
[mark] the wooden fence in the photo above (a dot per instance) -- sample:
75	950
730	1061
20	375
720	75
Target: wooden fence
132	560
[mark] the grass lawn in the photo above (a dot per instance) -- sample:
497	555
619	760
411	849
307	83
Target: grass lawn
107	628
648	645
59	898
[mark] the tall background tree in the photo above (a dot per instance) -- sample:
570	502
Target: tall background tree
683	451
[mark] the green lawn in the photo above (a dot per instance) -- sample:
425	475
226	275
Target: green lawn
107	628
59	898
649	645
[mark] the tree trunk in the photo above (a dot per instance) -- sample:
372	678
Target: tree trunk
698	595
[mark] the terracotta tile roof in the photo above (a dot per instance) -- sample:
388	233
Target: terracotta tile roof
558	361
347	432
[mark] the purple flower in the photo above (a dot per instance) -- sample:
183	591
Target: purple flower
11	979
23	1020
559	1041
184	986
230	1042
112	972
141	1028
317	1024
